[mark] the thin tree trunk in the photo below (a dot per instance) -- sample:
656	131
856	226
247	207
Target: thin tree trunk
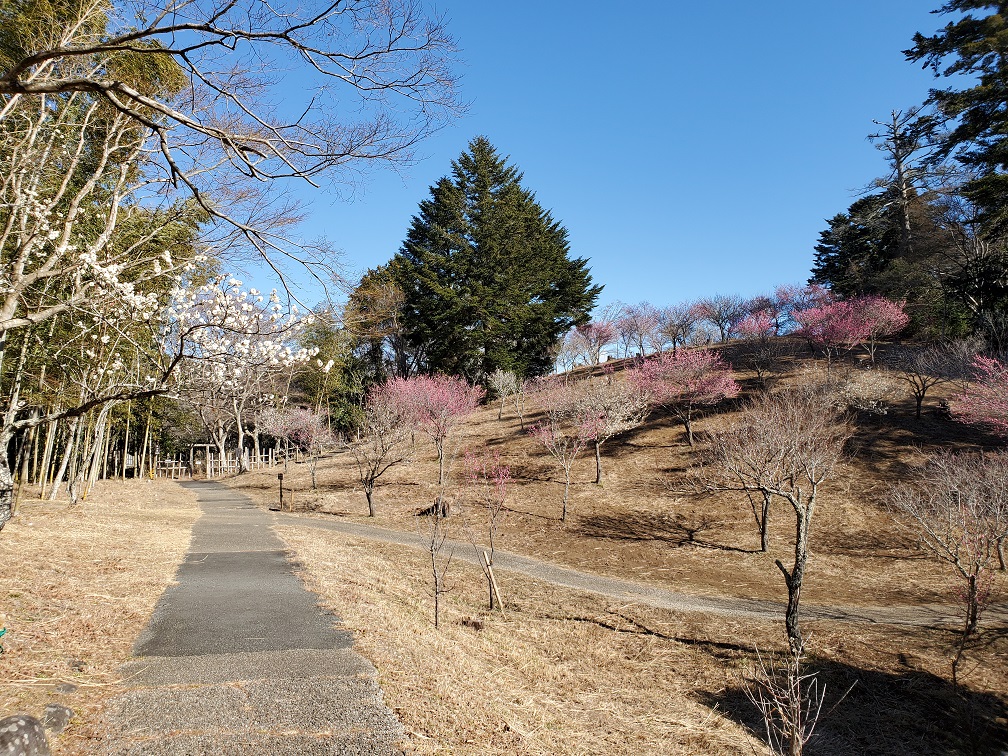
125	451
146	440
65	463
43	472
563	515
6	479
598	463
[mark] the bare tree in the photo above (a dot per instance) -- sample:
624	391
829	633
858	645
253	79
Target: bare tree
787	445
789	699
487	481
637	326
723	311
924	368
958	505
434	537
561	431
677	325
384	440
377	79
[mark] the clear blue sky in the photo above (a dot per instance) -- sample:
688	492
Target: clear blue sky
688	148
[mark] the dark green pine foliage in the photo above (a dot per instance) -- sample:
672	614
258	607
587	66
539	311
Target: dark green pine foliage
486	274
973	49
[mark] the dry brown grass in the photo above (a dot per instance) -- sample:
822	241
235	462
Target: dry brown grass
561	672
79	585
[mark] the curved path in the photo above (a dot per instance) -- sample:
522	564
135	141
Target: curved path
923	615
238	658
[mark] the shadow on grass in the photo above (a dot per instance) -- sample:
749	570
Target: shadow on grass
887	714
676	529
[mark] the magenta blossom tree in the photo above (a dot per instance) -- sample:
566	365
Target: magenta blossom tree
757	326
685	382
435	405
843	325
985	401
881	318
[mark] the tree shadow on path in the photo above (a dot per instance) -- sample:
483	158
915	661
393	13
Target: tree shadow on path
678	529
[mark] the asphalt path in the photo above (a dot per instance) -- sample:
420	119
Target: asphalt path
630	592
238	658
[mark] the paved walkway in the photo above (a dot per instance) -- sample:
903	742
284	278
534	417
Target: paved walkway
239	659
629	591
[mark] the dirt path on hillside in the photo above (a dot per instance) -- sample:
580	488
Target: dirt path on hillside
922	615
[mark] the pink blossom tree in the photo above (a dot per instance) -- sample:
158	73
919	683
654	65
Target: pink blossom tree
560	430
684	383
845	324
881	318
985	401
435	404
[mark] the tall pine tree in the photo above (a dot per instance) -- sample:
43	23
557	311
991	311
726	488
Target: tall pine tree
486	273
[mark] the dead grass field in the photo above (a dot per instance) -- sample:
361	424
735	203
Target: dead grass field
79	585
564	672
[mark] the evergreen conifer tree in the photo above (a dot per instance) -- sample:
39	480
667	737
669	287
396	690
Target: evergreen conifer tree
486	273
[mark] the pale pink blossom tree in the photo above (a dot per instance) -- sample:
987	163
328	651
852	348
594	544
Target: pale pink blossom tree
384	439
304	429
985	401
435	405
606	407
592	338
560	430
685	382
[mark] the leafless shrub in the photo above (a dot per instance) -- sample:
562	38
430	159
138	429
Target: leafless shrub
789	699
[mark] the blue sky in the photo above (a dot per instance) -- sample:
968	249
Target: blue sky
688	148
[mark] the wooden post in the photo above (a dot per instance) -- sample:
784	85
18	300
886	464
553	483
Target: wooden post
494	590
280	478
